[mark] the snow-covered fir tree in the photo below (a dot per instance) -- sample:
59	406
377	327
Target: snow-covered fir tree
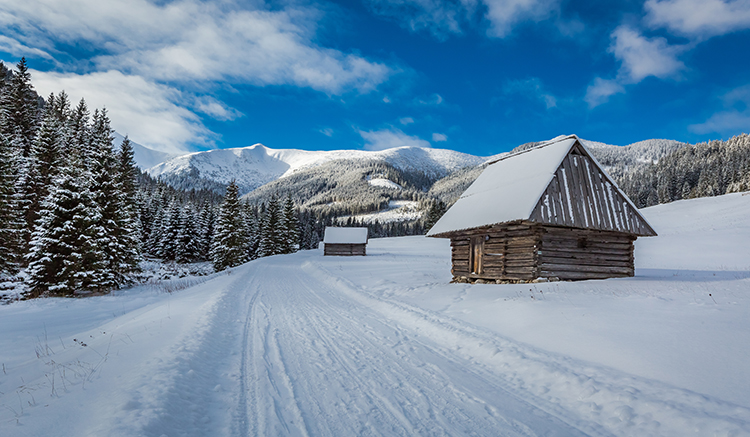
271	229
11	222
43	162
289	227
229	248
66	256
19	105
128	225
188	247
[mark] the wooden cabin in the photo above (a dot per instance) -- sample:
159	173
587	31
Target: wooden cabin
549	212
345	241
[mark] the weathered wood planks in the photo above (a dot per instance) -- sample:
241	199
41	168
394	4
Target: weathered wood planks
331	249
580	195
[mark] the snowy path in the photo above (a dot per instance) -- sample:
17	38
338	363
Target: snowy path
317	362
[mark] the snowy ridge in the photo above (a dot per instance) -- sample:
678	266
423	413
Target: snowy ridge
257	165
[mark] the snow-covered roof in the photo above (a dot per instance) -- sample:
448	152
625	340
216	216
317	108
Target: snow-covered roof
507	189
345	235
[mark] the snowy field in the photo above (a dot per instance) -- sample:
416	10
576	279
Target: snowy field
383	345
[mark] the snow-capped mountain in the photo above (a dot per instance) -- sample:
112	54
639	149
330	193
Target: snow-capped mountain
257	165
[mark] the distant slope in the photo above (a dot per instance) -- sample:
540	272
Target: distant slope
144	157
254	166
345	187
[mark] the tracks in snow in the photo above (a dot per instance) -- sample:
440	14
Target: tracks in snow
317	362
297	350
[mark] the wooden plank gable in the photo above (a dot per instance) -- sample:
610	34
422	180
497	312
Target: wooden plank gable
581	195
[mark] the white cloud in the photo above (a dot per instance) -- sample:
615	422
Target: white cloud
153	115
16	48
505	14
435	100
390	138
406	120
440	18
187	40
734	120
436	137
600	91
699	18
216	109
532	88
188	46
327	131
443	18
642	57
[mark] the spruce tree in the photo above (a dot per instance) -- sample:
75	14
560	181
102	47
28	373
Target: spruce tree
66	256
169	233
290	227
11	222
206	231
44	162
19	105
187	249
129	223
230	236
271	242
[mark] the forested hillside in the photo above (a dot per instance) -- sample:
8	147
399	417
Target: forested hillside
78	217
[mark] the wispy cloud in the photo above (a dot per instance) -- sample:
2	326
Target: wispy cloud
433	100
531	88
640	57
443	18
216	109
699	18
327	131
406	120
154	114
438	17
732	120
190	45
504	15
390	138
600	91
438	137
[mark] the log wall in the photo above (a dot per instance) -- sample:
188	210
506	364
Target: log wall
584	254
509	252
527	251
344	249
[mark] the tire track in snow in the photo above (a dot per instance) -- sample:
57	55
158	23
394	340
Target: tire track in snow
577	392
322	364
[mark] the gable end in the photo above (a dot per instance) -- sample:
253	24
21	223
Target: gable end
581	195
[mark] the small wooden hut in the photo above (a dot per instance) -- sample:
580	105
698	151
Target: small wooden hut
345	241
547	212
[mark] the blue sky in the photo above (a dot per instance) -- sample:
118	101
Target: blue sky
478	76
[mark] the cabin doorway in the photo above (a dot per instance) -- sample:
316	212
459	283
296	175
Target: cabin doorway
475	254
